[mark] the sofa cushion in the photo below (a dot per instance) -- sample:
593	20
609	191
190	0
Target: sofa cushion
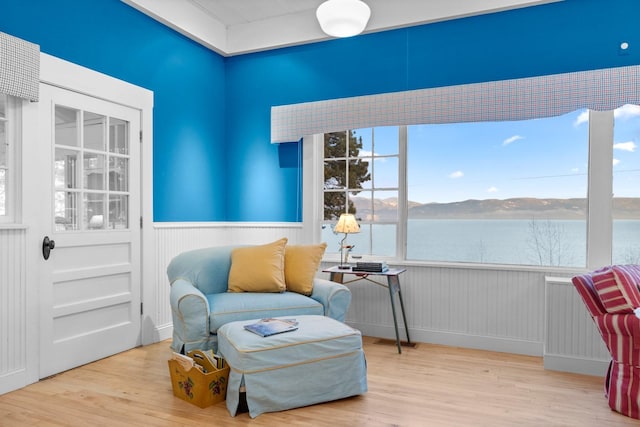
616	296
301	264
628	280
258	268
229	307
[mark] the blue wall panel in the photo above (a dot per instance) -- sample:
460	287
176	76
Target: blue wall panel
568	36
213	160
187	79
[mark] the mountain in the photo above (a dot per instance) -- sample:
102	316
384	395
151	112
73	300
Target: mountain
516	208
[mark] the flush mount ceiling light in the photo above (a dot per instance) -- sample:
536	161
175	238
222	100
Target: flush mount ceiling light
343	18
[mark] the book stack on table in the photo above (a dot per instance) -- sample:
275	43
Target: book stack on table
370	267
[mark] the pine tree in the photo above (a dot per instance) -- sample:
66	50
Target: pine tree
336	172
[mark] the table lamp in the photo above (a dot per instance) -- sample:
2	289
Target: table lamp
347	224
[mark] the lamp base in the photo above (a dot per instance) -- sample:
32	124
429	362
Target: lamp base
344	267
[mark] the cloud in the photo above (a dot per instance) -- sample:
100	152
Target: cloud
509	140
625	146
575	170
615	162
627	111
492	190
456	174
582	118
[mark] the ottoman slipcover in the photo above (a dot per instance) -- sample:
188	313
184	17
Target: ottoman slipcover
321	361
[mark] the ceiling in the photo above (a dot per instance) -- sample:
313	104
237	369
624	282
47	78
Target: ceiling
232	27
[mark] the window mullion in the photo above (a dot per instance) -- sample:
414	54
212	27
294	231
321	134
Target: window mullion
600	200
401	234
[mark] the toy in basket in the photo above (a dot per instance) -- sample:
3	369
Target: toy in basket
200	377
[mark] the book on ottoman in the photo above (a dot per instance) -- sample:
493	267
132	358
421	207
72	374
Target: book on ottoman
267	327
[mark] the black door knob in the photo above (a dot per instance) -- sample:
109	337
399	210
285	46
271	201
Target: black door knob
47	247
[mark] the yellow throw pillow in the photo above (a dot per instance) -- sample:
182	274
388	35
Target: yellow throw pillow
301	263
258	268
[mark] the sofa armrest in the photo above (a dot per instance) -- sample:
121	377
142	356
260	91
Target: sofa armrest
190	312
335	298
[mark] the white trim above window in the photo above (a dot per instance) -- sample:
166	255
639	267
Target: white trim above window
516	99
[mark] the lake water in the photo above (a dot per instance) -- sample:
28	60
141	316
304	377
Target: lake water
553	242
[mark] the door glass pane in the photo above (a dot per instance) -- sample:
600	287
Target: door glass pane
66	126
118	136
65	168
118	174
66	210
94	131
94	218
94	168
118	211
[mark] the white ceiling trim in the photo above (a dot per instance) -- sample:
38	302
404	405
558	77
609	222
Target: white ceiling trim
299	27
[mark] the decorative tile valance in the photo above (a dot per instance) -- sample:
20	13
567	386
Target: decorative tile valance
19	67
516	99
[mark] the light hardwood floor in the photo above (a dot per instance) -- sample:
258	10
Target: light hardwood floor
429	385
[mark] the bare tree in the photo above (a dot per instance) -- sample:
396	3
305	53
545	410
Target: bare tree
549	243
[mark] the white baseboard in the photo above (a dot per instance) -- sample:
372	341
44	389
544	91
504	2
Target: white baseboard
554	362
576	365
14	381
164	332
504	345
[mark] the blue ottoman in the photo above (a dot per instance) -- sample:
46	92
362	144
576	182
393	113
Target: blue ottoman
321	361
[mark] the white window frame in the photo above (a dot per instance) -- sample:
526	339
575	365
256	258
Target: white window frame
13	176
401	191
599	195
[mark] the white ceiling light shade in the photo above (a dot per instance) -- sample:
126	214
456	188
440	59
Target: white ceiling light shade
343	18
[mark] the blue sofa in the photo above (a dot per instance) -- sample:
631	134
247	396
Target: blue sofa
200	303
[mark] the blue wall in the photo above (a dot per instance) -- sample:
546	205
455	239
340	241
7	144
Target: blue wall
213	160
188	81
569	36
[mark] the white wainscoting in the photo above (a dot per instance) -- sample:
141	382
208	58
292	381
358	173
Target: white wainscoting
499	309
13	309
572	342
487	309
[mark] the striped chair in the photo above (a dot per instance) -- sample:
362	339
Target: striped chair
611	294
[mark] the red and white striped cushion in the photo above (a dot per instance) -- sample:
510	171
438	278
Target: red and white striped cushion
613	294
628	279
584	285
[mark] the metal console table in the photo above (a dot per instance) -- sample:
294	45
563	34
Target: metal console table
336	274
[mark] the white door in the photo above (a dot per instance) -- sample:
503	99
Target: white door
90	283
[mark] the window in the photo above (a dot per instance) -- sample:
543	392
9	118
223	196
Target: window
511	192
91	171
361	177
626	194
9	152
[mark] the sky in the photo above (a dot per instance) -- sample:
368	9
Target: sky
542	158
